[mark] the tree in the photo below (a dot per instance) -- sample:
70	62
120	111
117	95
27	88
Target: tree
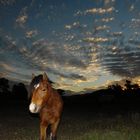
136	87
20	91
116	89
131	87
128	85
4	85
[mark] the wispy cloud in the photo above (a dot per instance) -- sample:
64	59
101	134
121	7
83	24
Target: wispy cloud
75	25
7	41
106	20
96	39
22	17
122	61
3	74
7	2
116	34
53	52
135	23
7	67
31	33
134	41
100	10
102	28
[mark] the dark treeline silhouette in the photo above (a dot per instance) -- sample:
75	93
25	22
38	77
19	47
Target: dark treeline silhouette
4	86
18	90
113	99
129	89
111	93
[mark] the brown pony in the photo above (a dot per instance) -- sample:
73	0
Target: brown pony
48	103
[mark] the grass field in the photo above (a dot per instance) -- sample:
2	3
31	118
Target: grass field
79	122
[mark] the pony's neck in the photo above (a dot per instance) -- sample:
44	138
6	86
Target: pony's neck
50	91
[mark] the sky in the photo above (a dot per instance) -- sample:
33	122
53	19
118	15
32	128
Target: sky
82	45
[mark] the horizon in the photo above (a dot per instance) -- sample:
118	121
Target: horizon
124	87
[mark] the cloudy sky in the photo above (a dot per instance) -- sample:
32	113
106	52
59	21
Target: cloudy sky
83	45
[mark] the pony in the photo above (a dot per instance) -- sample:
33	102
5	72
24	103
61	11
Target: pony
48	103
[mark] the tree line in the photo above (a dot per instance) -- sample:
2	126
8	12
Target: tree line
18	91
128	89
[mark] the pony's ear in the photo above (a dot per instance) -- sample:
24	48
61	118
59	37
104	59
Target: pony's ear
45	77
33	75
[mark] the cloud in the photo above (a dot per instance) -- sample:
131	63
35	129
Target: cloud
135	23
106	20
54	58
101	28
100	10
22	17
7	67
122	61
68	27
3	74
21	20
116	34
78	13
54	53
72	76
7	2
75	25
132	7
31	33
77	76
134	41
108	2
96	39
8	41
136	80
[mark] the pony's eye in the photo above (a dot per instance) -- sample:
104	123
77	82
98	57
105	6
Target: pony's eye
44	89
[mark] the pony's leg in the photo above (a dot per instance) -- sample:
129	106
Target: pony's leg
52	137
54	127
43	128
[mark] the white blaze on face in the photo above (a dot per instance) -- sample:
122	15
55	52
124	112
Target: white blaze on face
36	86
33	107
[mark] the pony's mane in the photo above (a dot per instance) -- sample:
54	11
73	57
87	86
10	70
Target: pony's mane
35	81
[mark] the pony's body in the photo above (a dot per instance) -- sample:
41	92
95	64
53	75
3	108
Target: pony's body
48	103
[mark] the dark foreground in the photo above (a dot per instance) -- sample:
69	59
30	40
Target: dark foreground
81	120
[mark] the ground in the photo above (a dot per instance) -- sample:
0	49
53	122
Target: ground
83	120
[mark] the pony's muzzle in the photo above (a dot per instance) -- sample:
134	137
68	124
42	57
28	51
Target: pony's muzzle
34	108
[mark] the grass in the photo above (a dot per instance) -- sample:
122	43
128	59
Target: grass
101	128
77	124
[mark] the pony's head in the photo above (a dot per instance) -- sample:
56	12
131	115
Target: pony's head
39	89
